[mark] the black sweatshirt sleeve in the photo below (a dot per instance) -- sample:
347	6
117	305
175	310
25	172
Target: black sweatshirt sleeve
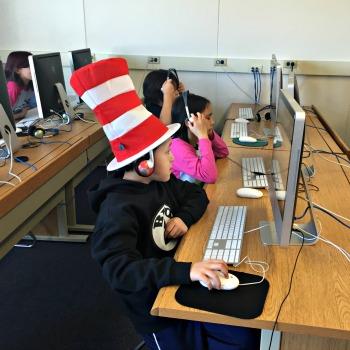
114	247
192	198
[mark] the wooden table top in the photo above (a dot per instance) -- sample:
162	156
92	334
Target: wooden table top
319	302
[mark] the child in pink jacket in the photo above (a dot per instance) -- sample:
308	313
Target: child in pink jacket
196	145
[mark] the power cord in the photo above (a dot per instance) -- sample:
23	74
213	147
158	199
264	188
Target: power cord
289	289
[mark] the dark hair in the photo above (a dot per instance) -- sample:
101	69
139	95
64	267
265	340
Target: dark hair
153	83
195	104
16	60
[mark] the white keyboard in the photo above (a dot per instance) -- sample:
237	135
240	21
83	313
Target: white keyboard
225	240
277	136
246	113
249	166
238	130
27	121
277	178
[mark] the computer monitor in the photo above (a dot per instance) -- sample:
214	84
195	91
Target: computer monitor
291	122
292	86
7	122
4	97
49	87
81	58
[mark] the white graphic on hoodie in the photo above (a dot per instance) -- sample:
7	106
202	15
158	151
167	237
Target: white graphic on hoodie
158	229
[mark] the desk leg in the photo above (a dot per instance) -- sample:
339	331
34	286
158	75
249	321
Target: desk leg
265	339
60	223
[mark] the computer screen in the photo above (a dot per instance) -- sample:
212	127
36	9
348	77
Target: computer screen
46	71
4	97
286	162
293	87
81	58
4	100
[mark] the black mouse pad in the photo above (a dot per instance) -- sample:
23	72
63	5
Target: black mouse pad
243	302
257	143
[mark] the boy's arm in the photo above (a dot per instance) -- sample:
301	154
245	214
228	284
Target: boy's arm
114	246
192	199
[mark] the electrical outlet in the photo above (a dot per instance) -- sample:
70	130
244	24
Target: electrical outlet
220	62
290	64
153	59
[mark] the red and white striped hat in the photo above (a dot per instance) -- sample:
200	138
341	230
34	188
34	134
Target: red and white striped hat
106	87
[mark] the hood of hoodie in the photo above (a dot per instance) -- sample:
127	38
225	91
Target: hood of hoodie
114	184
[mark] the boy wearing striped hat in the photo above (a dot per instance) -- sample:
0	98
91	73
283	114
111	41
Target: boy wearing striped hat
143	213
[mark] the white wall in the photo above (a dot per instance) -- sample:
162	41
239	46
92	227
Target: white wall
201	29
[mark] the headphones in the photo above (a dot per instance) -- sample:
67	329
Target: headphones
267	115
145	167
185	97
39	132
172	74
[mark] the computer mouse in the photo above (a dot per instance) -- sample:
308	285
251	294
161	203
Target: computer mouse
241	120
247	139
281	195
229	283
248	192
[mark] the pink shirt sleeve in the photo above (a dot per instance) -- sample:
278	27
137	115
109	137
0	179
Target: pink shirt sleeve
219	146
186	160
14	91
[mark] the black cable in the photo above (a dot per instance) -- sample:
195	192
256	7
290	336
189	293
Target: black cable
303	214
332	215
255	97
332	154
315	127
308	153
259	76
290	287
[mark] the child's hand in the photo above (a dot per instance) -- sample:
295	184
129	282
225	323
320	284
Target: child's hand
199	126
206	271
175	227
168	89
181	88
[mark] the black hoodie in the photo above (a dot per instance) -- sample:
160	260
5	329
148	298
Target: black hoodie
130	217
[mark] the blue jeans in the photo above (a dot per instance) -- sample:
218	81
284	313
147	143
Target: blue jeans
193	335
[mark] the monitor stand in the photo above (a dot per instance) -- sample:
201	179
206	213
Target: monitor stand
68	109
268	234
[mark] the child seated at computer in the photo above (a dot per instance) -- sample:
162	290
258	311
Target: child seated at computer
138	211
160	88
19	83
196	144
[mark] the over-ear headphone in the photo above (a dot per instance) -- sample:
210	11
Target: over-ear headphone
185	97
172	74
39	132
145	167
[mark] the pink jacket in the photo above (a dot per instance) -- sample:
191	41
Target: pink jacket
200	167
14	91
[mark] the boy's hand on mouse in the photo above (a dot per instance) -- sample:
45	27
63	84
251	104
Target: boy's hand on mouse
206	271
198	125
175	227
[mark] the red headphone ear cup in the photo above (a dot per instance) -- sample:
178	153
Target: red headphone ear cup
145	168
